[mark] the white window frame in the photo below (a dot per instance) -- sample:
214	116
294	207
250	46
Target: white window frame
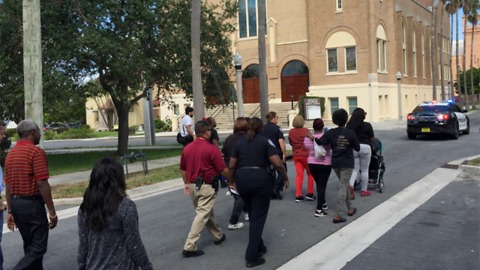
346	59
339	5
414	52
328	60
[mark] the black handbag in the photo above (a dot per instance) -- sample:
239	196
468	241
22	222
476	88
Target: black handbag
180	139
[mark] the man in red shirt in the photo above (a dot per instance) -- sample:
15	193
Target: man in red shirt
201	159
27	192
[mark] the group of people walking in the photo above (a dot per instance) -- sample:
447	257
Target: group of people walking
252	160
253	153
348	152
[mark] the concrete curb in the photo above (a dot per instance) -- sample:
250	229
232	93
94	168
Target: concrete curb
133	193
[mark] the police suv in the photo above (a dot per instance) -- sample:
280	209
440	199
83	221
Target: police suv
437	117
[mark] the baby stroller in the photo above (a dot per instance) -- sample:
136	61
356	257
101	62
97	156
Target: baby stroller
376	168
377	165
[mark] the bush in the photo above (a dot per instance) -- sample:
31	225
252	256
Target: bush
132	129
11	132
161	126
76	133
4	146
73	133
49	135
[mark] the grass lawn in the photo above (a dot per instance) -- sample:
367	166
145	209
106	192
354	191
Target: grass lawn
75	162
474	162
134	180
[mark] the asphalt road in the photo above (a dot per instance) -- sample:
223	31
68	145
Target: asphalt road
291	227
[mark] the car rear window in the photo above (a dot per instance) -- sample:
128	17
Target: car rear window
431	108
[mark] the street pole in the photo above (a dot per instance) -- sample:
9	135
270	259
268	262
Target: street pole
149	126
237	61
32	63
399	77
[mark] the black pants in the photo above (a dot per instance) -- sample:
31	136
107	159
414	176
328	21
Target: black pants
31	219
238	208
320	173
255	187
187	139
278	186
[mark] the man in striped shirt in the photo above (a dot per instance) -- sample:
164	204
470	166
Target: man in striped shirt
27	192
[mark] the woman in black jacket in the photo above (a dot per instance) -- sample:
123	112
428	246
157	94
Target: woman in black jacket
364	131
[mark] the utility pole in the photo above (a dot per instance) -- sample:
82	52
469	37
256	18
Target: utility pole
197	88
262	60
32	63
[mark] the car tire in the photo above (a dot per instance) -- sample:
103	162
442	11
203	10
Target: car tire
456	132
411	136
467	131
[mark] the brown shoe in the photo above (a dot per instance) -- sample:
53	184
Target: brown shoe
338	219
352	192
352	211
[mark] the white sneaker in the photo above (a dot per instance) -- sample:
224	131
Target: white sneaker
247	218
236	226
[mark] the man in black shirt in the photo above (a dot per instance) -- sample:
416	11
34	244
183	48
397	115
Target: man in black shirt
275	134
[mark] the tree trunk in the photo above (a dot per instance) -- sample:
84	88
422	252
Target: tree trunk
262	59
122	146
442	72
465	12
471	65
450	94
458	61
432	54
198	98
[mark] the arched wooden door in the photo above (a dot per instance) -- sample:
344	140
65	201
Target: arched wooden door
295	80
251	84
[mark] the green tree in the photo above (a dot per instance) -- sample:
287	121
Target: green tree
128	45
62	99
472	75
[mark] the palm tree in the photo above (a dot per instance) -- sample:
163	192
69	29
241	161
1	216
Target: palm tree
432	51
442	75
458	4
472	18
466	11
197	89
451	9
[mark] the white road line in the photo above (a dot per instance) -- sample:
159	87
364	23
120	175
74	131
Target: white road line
345	244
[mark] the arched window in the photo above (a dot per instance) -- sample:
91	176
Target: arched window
381	49
251	72
295	67
341	43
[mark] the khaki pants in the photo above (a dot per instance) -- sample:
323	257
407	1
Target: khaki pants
203	201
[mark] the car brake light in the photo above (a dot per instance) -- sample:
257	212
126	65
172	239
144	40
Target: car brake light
442	117
410	117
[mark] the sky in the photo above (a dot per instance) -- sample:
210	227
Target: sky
460	26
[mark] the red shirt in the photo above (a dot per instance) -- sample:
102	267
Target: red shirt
199	157
25	164
296	137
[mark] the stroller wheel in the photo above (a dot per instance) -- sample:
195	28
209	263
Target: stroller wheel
381	186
